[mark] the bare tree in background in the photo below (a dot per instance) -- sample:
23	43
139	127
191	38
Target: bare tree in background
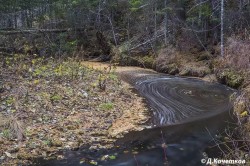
165	22
222	28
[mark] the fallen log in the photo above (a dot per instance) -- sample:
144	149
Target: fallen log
30	31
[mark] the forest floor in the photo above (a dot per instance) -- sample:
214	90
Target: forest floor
47	105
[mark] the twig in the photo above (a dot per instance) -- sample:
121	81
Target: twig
164	147
136	161
215	142
146	42
25	31
197	5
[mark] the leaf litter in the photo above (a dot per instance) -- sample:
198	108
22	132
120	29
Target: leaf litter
49	104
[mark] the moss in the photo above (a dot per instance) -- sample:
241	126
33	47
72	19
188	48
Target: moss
203	56
125	60
25	156
235	81
6	133
240	107
168	68
148	61
230	78
106	106
72	127
55	97
201	72
195	71
56	143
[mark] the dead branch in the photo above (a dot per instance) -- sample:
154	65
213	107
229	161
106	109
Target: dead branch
146	42
30	31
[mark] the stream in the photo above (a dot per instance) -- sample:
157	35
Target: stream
187	114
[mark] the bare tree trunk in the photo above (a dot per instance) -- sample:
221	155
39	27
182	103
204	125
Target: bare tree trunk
155	23
222	28
113	31
128	33
99	15
165	22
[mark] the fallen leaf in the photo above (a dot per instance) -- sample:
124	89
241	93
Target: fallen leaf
9	155
112	157
93	162
243	114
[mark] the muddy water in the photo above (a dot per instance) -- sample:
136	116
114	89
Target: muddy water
186	115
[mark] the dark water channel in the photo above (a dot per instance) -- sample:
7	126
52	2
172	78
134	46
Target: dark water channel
186	115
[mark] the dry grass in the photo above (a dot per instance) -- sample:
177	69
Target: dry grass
2	121
241	104
14	126
234	144
167	55
236	58
174	62
237	53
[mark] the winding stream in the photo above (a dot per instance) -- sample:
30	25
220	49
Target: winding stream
176	100
186	114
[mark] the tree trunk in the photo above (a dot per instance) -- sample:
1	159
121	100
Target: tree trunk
165	22
155	23
222	28
113	31
103	44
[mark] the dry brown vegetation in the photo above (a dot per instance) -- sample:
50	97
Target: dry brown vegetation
233	70
47	105
174	62
237	53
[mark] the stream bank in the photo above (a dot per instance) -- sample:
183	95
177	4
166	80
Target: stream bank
40	72
184	143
